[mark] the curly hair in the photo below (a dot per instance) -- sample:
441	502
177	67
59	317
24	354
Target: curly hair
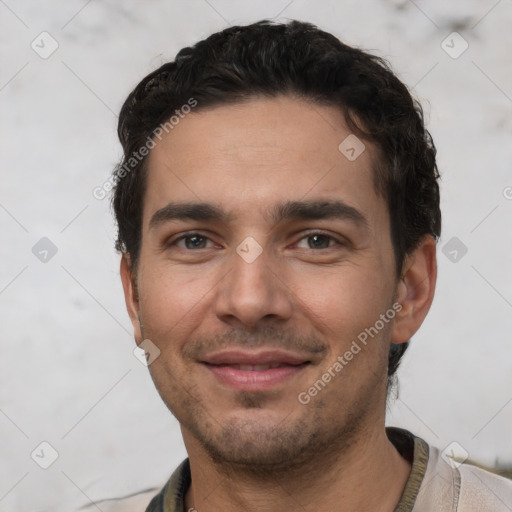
295	58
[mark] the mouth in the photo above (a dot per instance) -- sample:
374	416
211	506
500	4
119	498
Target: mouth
246	371
255	367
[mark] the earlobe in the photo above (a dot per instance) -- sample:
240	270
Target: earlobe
415	290
131	295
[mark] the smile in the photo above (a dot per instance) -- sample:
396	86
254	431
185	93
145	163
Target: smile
255	377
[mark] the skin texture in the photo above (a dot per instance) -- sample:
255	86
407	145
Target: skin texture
262	450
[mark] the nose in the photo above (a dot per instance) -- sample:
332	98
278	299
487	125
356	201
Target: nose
253	293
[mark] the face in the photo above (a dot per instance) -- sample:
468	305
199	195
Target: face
265	254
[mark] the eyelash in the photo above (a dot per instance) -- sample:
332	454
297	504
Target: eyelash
309	235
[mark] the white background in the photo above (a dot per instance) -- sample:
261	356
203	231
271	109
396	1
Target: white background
67	373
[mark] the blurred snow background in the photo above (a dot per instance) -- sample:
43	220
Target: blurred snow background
67	372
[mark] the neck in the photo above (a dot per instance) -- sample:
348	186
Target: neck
366	474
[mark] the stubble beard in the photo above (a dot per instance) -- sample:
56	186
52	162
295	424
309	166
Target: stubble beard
292	447
295	446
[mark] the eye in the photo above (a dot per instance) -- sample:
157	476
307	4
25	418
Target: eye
318	241
196	241
191	241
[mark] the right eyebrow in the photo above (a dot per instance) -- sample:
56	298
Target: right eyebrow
188	211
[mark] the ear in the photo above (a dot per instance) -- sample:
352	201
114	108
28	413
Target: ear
131	296
415	290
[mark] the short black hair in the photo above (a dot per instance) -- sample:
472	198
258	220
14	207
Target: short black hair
296	58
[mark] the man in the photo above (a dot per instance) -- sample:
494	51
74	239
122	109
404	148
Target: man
278	212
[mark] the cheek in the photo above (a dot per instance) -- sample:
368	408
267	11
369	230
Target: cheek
172	301
345	307
343	301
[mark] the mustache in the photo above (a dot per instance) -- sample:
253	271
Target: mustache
268	337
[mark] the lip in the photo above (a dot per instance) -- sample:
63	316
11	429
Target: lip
238	356
225	366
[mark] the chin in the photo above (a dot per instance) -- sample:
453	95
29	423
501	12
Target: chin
258	446
255	440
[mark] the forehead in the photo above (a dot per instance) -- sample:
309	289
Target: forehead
249	157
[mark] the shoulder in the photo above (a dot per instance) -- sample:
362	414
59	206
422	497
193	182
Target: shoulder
482	490
132	503
461	487
169	498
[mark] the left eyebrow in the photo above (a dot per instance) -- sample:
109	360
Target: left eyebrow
290	210
318	210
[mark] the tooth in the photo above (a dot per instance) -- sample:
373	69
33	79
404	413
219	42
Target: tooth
245	367
261	367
